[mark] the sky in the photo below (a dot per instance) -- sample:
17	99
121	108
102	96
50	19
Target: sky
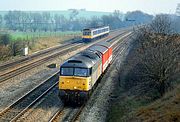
148	6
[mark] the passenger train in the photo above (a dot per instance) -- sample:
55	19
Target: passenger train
80	73
94	33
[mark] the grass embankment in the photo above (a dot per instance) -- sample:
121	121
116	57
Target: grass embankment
166	109
132	108
36	41
46	42
138	99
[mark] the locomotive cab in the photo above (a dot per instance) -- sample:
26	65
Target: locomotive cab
86	35
76	77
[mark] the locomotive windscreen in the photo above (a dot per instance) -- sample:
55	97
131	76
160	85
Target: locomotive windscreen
83	72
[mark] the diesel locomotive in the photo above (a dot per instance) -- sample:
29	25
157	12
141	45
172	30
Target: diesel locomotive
94	33
80	73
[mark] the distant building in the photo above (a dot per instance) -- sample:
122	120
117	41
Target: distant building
178	9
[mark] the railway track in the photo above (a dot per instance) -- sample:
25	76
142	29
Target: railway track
68	114
23	104
26	67
6	66
19	61
16	63
16	109
29	65
62	115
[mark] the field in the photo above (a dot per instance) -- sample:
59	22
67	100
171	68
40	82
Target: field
42	40
17	36
35	41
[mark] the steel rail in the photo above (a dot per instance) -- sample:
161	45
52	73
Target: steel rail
28	99
77	114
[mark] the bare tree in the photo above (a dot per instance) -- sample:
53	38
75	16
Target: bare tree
161	24
158	53
152	64
95	22
73	14
160	61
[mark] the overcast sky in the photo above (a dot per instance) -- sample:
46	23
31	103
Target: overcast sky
149	6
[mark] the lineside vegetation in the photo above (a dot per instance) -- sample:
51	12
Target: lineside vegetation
150	74
12	43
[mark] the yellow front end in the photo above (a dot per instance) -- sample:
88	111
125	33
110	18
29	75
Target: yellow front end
74	83
86	37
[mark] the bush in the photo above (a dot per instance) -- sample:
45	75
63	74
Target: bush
4	52
152	65
5	39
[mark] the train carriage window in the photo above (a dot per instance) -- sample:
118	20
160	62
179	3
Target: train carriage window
67	71
81	72
89	33
85	33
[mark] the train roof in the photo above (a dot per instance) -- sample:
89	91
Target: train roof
89	54
105	44
99	48
95	52
85	59
95	28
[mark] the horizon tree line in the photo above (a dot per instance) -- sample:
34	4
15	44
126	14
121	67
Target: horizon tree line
46	21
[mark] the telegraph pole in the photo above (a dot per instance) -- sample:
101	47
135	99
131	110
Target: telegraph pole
178	9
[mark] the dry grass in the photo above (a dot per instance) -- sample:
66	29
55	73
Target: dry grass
138	104
46	42
166	109
128	108
38	44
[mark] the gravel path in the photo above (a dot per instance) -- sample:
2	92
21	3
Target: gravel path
98	105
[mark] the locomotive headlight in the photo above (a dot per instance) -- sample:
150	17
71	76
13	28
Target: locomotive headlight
83	82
